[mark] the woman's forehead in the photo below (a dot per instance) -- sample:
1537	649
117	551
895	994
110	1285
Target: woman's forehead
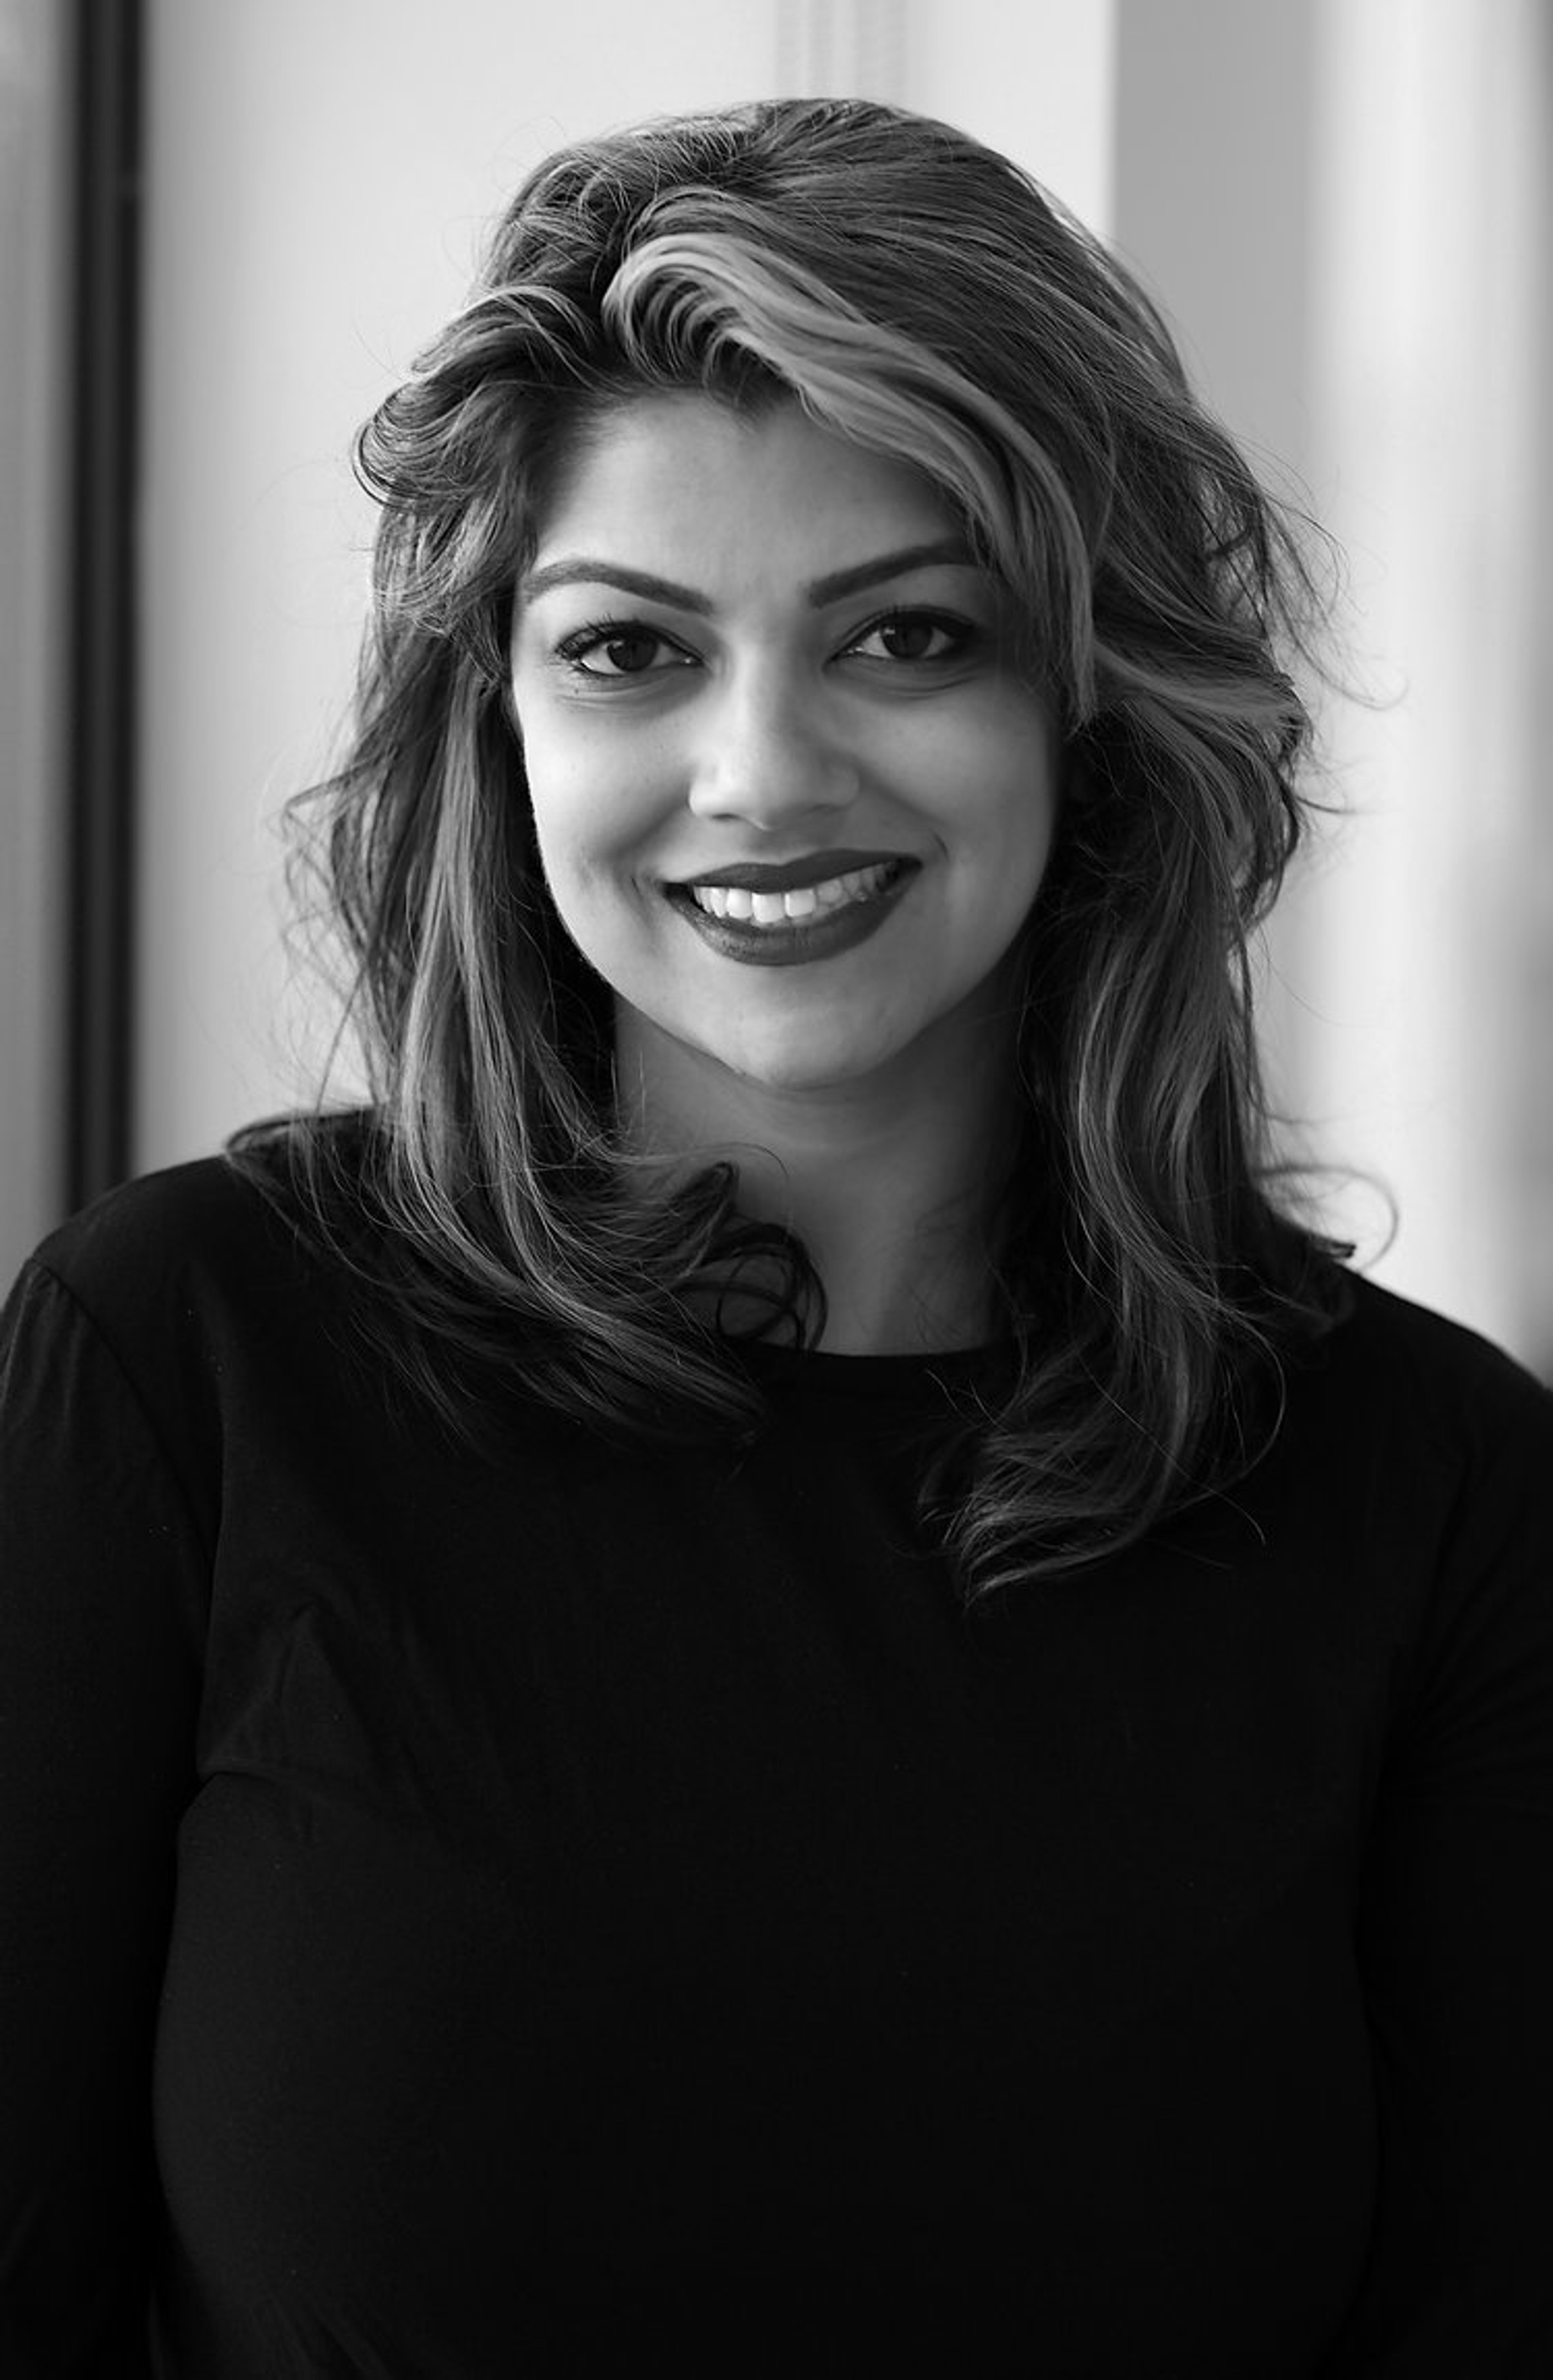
687	485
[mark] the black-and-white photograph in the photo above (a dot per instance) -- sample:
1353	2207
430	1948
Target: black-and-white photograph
776	1048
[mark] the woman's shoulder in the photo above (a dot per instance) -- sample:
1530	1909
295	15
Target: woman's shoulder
1385	1345
1422	1416
203	1298
185	1246
178	1213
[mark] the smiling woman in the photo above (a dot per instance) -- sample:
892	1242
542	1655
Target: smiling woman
821	1686
978	372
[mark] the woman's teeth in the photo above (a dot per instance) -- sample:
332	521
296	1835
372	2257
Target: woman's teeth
786	908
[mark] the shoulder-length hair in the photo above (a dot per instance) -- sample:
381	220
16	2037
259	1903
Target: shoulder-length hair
920	295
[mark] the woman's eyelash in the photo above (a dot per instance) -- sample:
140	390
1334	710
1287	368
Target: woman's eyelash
904	618
582	641
573	649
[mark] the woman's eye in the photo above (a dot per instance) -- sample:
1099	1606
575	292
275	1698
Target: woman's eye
621	649
912	637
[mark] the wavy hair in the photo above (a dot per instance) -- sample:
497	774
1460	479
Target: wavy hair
917	294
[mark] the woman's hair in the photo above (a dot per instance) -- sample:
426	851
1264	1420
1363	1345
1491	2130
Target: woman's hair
917	294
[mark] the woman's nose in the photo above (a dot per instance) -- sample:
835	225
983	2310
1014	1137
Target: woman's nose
768	752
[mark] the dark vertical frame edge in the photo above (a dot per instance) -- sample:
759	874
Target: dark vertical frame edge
107	66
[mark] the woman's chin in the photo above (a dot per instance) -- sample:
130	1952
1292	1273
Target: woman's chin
793	1067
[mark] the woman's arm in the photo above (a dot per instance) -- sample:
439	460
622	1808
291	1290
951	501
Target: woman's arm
102	1595
1457	1948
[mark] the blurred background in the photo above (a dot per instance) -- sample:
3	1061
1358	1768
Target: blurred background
226	225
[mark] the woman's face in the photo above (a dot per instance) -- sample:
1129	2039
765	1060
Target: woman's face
793	795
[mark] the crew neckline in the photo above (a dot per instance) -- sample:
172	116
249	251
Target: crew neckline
832	1373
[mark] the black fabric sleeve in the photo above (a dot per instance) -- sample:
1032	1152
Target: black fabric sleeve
1457	1943
102	1581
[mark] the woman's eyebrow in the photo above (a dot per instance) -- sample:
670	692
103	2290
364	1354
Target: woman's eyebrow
951	551
579	569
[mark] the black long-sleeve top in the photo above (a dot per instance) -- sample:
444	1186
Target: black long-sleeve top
471	1914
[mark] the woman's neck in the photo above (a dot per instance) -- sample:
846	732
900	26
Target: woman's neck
891	1183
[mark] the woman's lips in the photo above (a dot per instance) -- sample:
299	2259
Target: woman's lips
796	942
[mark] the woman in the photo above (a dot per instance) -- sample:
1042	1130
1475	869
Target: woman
769	1670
